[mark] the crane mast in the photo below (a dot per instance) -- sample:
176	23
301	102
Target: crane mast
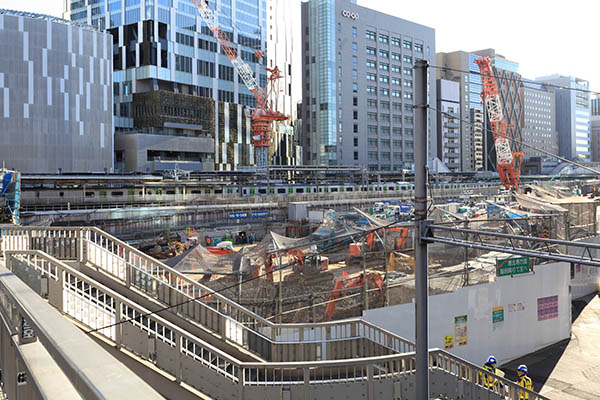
264	114
508	163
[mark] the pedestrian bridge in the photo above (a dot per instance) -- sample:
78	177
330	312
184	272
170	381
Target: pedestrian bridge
160	321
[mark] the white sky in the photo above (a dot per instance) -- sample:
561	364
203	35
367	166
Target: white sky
544	37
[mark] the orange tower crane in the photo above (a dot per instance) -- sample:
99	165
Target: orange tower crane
265	112
509	163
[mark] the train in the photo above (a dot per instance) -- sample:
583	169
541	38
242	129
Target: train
190	191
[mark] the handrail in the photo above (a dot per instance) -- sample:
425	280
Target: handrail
253	373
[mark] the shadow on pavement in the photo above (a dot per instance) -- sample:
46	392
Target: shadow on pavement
542	362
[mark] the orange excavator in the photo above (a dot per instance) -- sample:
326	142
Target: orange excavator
343	285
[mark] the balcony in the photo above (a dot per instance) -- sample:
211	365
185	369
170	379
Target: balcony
451	125
452	135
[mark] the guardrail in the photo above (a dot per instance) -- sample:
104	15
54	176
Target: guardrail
231	321
217	374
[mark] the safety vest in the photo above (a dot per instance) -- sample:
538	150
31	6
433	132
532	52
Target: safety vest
488	380
525	381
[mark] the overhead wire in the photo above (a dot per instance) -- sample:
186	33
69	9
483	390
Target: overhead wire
520	80
452	116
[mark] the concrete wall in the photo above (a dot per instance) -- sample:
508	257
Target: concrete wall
521	331
55	96
585	280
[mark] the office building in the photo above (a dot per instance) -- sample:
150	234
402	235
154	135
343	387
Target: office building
164	46
55	95
448	124
595	127
478	150
572	116
460	67
538	121
358	86
283	51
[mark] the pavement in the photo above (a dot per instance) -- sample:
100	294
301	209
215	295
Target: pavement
570	369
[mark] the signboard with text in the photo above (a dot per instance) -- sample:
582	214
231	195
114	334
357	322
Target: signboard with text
512	266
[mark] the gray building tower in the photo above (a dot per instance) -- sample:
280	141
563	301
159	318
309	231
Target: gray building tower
595	128
358	85
448	124
572	116
55	95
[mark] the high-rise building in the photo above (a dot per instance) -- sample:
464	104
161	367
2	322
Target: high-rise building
283	51
538	121
460	67
358	85
478	150
572	116
448	123
164	46
55	95
595	127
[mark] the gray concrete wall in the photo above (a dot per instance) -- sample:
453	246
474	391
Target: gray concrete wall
55	96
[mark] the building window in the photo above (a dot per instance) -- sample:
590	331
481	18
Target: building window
371	51
384	79
356	155
370	35
371	76
396	93
407	71
396	69
354	47
384	53
385	92
372	116
408	119
355	87
407	44
354	32
395	56
396	106
384	67
385	105
372	155
226	73
355	101
407	95
339	44
407	59
397	120
383	38
408	83
395	42
371	90
339	27
354	115
355	129
385	130
372	129
419	48
355	142
396	131
395	81
354	74
371	103
384	117
183	63
372	142
354	61
226	96
371	64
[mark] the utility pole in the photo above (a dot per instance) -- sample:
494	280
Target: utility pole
421	263
364	272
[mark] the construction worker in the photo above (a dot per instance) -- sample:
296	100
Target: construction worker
489	381
524	381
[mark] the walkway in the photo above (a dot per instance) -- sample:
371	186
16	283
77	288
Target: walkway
569	370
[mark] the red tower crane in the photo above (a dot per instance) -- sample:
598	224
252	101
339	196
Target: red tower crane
509	163
265	112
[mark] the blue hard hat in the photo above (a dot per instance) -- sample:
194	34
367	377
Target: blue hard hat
491	360
522	368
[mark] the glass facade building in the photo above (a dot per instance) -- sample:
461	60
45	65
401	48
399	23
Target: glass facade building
164	45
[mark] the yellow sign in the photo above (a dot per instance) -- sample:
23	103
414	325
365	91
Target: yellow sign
448	342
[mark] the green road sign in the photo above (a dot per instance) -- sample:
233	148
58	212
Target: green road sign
512	266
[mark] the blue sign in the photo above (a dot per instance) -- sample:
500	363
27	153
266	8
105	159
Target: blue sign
238	215
259	214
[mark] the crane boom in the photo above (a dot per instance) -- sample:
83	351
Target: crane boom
508	163
263	115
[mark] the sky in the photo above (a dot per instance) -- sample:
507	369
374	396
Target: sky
544	37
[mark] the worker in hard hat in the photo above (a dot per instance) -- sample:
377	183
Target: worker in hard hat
524	381
489	381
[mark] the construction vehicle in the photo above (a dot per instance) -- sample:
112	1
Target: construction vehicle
10	193
508	162
308	263
265	112
374	247
343	285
